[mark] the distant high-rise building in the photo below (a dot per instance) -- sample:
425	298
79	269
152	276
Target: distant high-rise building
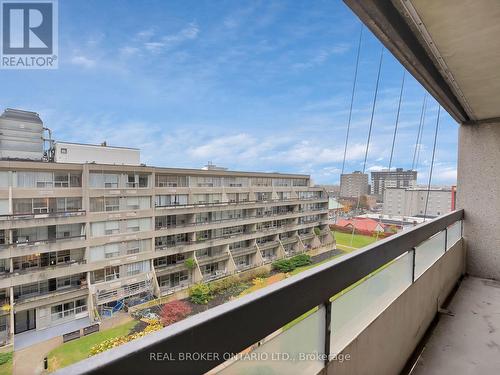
394	178
353	185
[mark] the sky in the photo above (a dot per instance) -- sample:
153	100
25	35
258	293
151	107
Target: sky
248	85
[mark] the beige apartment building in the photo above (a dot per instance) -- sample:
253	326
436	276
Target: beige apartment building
413	202
80	239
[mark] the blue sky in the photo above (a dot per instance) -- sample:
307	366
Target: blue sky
249	85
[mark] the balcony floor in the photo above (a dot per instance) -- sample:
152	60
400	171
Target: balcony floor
469	341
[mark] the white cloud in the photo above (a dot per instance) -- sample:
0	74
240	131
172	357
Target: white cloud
129	50
84	61
321	56
189	32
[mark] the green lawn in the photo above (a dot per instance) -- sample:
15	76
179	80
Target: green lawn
6	363
76	350
358	241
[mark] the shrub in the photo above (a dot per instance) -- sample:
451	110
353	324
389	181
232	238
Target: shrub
190	263
317	231
301	260
223	284
174	311
116	341
200	294
288	265
283	265
259	281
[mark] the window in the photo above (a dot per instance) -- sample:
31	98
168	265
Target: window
111	204
4	179
103	180
44	179
143	181
61	179
23	206
40	205
111	227
171	200
171	181
64	150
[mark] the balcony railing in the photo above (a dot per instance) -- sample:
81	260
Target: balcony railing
234	219
25	216
367	280
215	204
45	241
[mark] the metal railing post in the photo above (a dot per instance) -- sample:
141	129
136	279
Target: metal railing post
328	320
446	239
413	265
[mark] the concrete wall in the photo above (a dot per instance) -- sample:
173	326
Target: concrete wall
478	192
386	344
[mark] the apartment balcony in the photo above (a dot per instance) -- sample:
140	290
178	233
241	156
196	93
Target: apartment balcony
217	224
206	259
43	246
307	236
179	209
268	245
218	274
372	306
243	267
171	268
243	251
39	297
34	274
120	288
167	289
41	219
288	240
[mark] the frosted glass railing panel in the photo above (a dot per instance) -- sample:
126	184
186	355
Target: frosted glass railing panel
428	252
353	310
284	353
454	234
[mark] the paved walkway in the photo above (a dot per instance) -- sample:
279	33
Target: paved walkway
29	338
29	361
468	342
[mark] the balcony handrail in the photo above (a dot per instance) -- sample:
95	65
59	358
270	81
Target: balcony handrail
212	331
239	203
46	241
234	219
44	215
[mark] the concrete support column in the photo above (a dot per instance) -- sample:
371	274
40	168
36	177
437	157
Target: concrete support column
478	193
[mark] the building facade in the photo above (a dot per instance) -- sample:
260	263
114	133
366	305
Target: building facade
411	202
397	178
353	185
78	240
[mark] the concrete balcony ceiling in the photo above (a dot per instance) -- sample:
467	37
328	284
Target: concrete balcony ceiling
450	46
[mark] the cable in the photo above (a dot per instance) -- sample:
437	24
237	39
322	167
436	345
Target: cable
432	162
419	143
352	98
397	118
395	130
420	129
369	133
